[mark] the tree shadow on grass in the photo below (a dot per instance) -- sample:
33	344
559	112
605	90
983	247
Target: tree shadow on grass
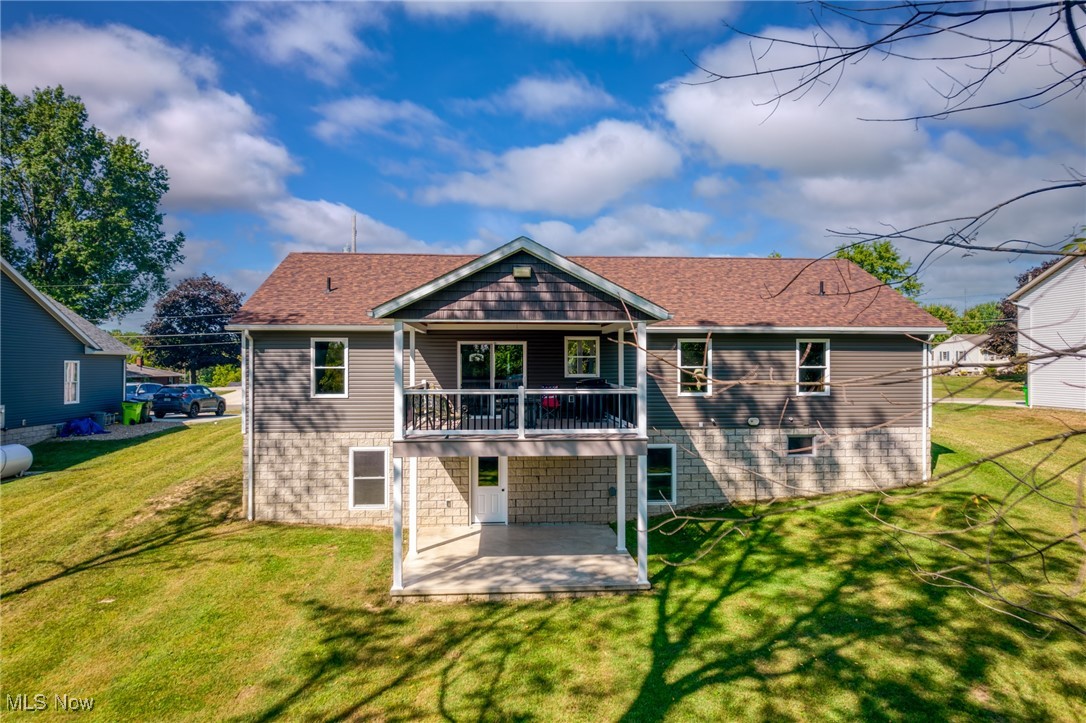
57	456
783	617
198	515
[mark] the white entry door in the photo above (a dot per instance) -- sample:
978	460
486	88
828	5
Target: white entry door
489	489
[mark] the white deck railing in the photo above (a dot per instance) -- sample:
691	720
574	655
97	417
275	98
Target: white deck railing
443	412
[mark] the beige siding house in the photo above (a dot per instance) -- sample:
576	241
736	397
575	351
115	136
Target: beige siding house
523	387
1052	332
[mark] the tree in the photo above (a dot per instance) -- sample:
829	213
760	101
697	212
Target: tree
79	212
980	318
946	314
133	340
882	260
1004	331
186	331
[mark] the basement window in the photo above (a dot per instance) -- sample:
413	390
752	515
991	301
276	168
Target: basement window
661	478
369	478
801	445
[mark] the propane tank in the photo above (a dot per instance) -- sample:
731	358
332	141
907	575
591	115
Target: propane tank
14	460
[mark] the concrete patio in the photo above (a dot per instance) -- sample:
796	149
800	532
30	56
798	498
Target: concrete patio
517	561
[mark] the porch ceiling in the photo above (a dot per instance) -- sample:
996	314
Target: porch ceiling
511	446
502	560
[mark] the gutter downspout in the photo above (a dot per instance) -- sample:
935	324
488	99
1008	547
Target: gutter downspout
247	402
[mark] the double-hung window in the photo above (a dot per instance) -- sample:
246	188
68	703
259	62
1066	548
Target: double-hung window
71	382
695	367
661	478
582	356
329	367
812	366
369	478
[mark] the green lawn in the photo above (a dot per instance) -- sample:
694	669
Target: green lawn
128	576
978	387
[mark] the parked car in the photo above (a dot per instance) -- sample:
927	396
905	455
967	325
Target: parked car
141	392
190	399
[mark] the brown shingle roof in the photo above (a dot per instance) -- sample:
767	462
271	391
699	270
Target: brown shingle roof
698	291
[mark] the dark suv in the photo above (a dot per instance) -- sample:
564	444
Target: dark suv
190	399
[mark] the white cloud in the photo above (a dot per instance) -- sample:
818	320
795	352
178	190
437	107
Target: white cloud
644	22
134	84
399	120
541	97
326	226
321	37
636	230
575	176
714	186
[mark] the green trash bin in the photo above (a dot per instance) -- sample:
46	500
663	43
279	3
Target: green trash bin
131	412
1025	394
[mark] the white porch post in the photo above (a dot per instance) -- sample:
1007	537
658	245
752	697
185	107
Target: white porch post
622	357
397	523
642	518
620	500
642	380
413	481
397	378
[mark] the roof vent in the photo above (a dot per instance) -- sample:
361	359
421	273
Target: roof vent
821	288
522	272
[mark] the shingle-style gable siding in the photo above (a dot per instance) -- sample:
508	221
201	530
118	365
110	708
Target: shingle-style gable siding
492	294
1052	317
33	349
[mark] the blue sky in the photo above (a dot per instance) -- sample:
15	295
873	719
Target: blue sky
452	127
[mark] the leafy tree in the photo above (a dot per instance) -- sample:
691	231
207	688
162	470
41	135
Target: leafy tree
980	318
134	341
946	314
79	212
220	375
186	331
1004	331
882	260
774	255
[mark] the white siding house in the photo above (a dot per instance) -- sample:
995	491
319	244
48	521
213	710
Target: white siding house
1052	327
964	354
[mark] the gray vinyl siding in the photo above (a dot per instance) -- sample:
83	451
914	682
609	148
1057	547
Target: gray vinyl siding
281	388
492	294
1056	320
33	349
896	398
436	359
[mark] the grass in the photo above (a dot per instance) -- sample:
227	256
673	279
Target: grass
977	387
128	576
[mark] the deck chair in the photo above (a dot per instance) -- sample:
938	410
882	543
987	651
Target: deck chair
550	405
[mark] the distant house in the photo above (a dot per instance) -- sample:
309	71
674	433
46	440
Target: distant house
54	364
1052	332
965	354
139	373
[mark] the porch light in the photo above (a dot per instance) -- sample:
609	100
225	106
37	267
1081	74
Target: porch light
522	272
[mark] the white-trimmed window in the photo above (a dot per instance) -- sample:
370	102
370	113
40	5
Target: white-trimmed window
801	445
328	367
71	382
661	479
695	367
944	356
812	367
582	356
368	478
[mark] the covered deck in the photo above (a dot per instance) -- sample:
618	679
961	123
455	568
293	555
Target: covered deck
520	561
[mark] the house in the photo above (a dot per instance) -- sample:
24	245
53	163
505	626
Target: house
54	364
1052	333
140	373
523	387
965	354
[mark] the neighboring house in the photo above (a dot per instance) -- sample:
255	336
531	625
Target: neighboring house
138	373
54	364
965	354
495	384
1052	332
